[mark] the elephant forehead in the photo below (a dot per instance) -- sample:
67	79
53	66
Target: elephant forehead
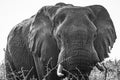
76	20
69	9
75	24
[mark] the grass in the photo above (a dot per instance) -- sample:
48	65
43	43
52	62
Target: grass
2	71
112	71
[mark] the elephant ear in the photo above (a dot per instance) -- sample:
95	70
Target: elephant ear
42	24
106	34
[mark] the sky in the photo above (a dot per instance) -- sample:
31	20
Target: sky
13	12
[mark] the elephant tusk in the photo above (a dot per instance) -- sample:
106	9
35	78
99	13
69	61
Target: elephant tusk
59	70
100	67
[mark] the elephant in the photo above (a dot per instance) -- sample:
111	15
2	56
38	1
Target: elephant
85	36
60	39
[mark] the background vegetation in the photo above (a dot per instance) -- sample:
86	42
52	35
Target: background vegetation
112	71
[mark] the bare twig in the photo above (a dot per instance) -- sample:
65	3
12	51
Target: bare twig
80	73
25	77
71	74
12	72
29	72
56	66
22	71
47	67
63	69
50	71
106	71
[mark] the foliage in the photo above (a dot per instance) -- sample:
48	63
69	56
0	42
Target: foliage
112	72
2	71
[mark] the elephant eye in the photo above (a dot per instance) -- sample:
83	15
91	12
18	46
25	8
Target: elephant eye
60	18
95	35
58	36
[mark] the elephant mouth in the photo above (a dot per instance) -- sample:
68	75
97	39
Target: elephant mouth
81	61
79	64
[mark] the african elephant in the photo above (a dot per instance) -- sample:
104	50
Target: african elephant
85	36
68	37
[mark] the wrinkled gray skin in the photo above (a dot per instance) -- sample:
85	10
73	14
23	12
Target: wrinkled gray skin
84	35
71	37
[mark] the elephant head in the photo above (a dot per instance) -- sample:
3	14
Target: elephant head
84	36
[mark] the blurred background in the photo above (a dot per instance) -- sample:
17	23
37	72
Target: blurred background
13	12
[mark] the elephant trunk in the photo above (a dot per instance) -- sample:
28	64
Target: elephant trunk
80	61
77	57
78	52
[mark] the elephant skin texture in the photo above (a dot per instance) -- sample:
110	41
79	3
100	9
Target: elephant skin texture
59	39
